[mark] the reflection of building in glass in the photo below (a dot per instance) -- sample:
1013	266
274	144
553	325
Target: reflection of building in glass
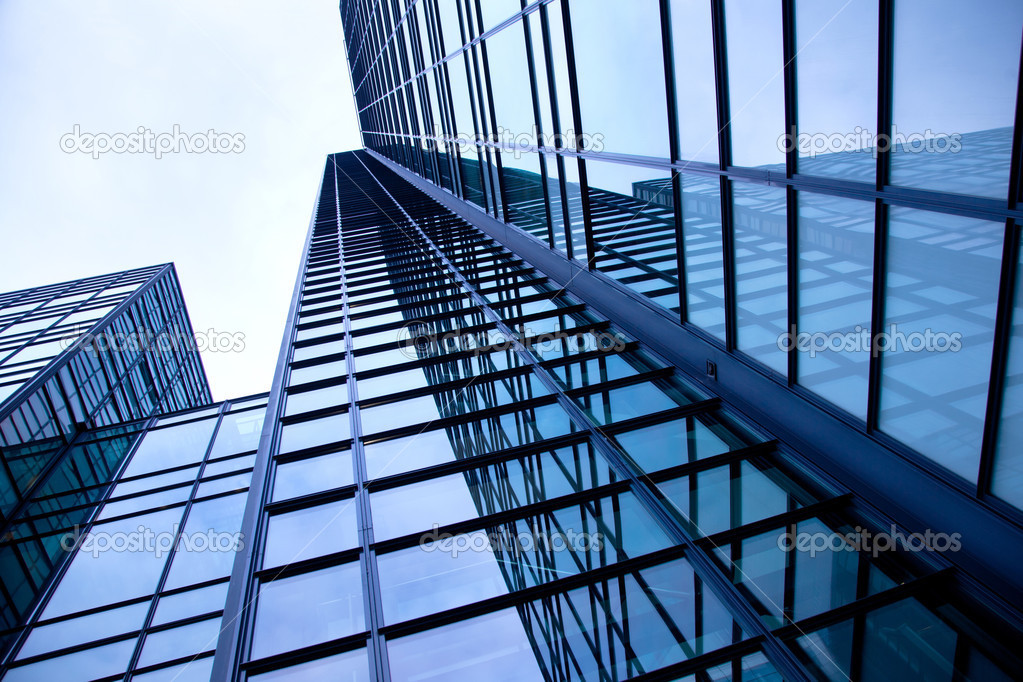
535	416
76	356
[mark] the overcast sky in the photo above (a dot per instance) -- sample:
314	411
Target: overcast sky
233	223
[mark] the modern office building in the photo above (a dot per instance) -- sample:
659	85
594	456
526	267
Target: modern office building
74	357
622	351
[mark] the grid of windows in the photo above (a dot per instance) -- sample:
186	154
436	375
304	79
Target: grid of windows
124	351
150	540
523	492
761	171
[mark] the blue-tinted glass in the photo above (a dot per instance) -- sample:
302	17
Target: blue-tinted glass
693	53
761	290
732	495
438	576
192	603
329	370
628	402
308	434
171	447
82	666
753	31
238	432
702	250
186	640
67	633
198	669
836	86
308	609
634	228
955	139
836	255
225	484
1007	478
501	646
209	541
939	323
332	396
352	666
312	532
512	95
99	574
682	441
313	475
623	107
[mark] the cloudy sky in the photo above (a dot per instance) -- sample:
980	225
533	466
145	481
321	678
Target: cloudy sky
232	223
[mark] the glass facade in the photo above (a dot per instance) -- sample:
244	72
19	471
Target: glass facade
468	467
79	357
144	520
791	182
477	476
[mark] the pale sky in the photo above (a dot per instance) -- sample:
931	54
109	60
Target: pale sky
233	223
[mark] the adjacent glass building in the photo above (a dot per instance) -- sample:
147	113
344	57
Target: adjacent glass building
77	356
672	340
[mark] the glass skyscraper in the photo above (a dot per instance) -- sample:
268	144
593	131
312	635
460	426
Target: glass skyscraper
670	340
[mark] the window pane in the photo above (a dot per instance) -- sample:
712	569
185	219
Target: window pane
1007	481
693	54
704	264
294	479
761	289
939	320
352	666
307	401
755	84
312	532
315	432
308	609
610	39
971	123
171	447
836	74
836	256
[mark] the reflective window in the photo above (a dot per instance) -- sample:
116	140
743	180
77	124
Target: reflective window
836	256
171	447
693	52
186	640
328	370
634	228
307	401
936	358
682	441
312	475
610	39
955	139
238	432
102	661
836	88
755	81
503	651
308	609
210	539
46	638
761	282
352	666
308	434
1007	480
192	603
311	532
